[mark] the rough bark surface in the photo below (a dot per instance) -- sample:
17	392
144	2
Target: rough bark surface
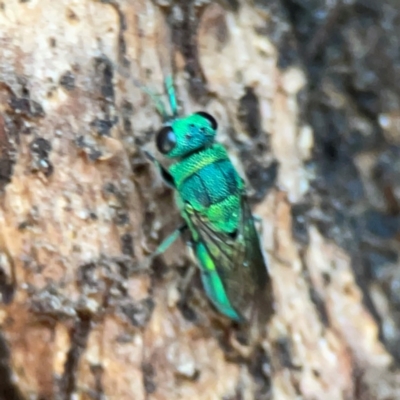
80	205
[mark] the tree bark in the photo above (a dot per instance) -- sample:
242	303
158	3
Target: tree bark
81	206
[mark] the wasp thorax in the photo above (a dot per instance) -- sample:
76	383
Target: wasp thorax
165	140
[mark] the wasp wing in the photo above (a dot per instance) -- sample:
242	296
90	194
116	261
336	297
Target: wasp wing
238	259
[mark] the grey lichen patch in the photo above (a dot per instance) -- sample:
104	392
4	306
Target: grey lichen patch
104	92
127	244
138	313
149	376
89	146
51	303
67	81
86	275
103	277
104	74
103	126
40	151
105	287
26	107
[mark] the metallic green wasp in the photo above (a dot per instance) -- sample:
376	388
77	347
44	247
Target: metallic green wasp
211	197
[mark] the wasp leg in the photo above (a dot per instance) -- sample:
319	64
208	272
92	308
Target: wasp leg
186	282
166	176
166	243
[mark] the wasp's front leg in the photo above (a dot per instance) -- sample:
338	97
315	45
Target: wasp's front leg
166	176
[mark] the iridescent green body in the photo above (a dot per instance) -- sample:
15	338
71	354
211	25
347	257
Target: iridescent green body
207	184
212	200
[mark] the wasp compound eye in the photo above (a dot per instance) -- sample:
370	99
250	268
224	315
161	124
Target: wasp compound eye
209	118
166	140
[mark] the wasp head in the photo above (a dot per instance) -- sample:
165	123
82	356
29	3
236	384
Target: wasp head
185	135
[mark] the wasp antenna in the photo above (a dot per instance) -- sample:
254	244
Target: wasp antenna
169	86
159	105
